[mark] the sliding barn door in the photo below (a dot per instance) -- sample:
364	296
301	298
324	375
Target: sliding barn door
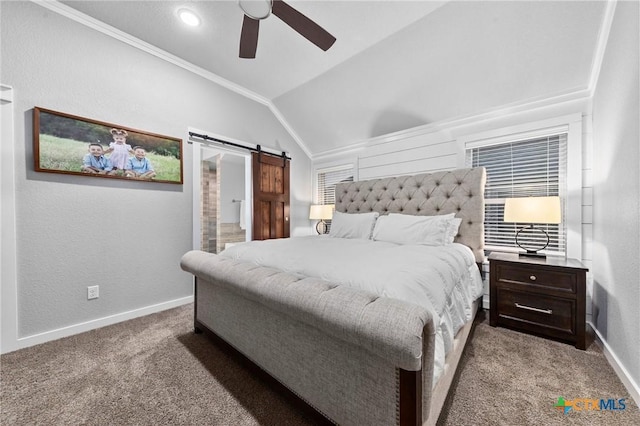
270	196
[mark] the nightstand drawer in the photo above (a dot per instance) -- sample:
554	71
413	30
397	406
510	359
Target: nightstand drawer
544	296
554	280
537	313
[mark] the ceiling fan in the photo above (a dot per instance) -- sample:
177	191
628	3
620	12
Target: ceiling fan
256	10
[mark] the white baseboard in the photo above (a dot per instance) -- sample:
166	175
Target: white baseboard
485	302
623	374
36	339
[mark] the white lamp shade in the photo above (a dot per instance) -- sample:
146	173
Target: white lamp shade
321	212
532	210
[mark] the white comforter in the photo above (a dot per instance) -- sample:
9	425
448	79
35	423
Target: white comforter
444	279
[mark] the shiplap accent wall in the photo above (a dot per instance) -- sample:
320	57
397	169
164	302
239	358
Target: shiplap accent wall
414	153
587	206
425	150
411	154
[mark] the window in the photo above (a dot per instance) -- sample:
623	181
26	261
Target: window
326	181
534	166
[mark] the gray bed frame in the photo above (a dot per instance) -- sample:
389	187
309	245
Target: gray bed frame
354	357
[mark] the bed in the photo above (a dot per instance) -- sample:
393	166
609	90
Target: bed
334	318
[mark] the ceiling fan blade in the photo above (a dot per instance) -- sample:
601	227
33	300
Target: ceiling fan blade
249	37
305	26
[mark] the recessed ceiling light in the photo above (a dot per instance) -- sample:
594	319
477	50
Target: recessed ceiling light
188	17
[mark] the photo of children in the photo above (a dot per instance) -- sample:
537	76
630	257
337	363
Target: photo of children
95	161
61	142
138	166
119	149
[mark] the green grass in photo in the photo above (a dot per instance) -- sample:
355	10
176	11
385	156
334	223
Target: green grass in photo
66	155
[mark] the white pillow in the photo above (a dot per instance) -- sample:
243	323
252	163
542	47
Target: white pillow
452	230
352	225
408	229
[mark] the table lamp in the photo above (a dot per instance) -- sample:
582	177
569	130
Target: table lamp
321	212
532	210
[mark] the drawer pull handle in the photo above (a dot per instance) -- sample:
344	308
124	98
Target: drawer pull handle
530	308
532	277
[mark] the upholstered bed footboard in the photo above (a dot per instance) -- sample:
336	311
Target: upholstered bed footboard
355	357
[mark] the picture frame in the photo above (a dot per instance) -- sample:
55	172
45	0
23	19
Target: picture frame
73	145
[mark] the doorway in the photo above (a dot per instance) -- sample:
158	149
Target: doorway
222	198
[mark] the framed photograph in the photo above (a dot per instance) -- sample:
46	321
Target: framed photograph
68	144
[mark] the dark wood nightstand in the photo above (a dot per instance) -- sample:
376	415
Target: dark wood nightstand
543	296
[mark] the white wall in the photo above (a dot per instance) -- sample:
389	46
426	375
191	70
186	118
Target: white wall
409	154
231	188
616	193
126	237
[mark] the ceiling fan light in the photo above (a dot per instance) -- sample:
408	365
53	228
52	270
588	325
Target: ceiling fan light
256	9
188	17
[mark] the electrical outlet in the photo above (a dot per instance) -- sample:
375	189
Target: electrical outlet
92	292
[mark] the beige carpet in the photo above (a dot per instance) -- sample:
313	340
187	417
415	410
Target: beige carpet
154	371
512	378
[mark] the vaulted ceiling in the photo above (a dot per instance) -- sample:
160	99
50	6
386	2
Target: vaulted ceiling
395	64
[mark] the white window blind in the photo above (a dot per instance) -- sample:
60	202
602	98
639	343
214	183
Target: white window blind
327	179
530	167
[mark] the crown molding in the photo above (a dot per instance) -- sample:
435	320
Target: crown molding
81	18
283	121
578	94
69	12
571	95
535	103
601	46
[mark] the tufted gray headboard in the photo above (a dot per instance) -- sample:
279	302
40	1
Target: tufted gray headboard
459	191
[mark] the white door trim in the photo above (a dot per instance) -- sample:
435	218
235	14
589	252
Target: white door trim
8	274
196	146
